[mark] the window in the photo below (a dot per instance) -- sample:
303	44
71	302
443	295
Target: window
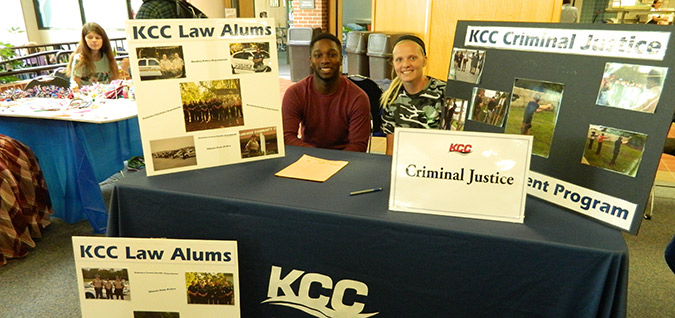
58	14
109	14
72	14
241	55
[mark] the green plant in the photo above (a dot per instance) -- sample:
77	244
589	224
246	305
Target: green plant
15	30
6	53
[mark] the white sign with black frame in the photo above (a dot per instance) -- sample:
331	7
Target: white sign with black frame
592	151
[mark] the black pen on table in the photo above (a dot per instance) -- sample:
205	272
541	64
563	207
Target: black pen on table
365	191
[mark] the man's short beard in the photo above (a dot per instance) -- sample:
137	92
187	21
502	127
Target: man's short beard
326	80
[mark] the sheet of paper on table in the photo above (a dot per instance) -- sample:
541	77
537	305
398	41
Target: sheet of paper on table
312	169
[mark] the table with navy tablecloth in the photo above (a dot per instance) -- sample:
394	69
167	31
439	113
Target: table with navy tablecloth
300	243
75	153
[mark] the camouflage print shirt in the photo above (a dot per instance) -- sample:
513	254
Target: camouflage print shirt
421	110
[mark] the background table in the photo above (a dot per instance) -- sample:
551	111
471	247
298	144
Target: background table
556	264
75	156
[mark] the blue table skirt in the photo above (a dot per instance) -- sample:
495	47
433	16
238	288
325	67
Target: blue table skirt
75	157
556	264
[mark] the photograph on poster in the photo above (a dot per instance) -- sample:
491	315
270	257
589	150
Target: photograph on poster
466	65
632	87
160	62
211	104
106	283
488	106
156	314
258	142
534	111
209	288
250	57
614	149
173	153
454	111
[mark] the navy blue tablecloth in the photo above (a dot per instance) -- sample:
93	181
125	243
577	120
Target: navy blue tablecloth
74	158
556	264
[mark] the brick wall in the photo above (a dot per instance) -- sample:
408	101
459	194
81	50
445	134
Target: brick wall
313	18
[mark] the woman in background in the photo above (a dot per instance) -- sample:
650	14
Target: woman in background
93	61
413	100
657	18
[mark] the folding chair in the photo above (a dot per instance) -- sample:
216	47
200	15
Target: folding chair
47	81
374	91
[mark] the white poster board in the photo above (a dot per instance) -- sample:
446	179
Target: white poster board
465	174
207	91
180	278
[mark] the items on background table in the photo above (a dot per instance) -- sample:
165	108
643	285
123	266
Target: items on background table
37	91
93	104
116	89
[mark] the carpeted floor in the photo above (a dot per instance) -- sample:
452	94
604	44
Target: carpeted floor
44	284
651	284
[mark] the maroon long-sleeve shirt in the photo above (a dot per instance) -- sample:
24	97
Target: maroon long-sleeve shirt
340	120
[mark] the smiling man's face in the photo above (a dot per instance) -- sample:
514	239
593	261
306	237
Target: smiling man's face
326	60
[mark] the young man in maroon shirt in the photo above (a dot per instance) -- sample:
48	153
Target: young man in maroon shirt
331	110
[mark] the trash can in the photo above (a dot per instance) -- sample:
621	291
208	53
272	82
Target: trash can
298	51
357	48
380	46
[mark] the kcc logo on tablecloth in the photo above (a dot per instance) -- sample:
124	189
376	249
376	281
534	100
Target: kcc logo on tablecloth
317	307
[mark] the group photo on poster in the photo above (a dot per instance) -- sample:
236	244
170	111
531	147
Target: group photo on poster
211	104
106	283
209	288
156	314
632	87
454	111
173	152
258	142
466	65
250	57
534	111
614	149
489	106
160	62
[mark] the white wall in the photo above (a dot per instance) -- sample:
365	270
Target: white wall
212	9
31	22
278	13
12	18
